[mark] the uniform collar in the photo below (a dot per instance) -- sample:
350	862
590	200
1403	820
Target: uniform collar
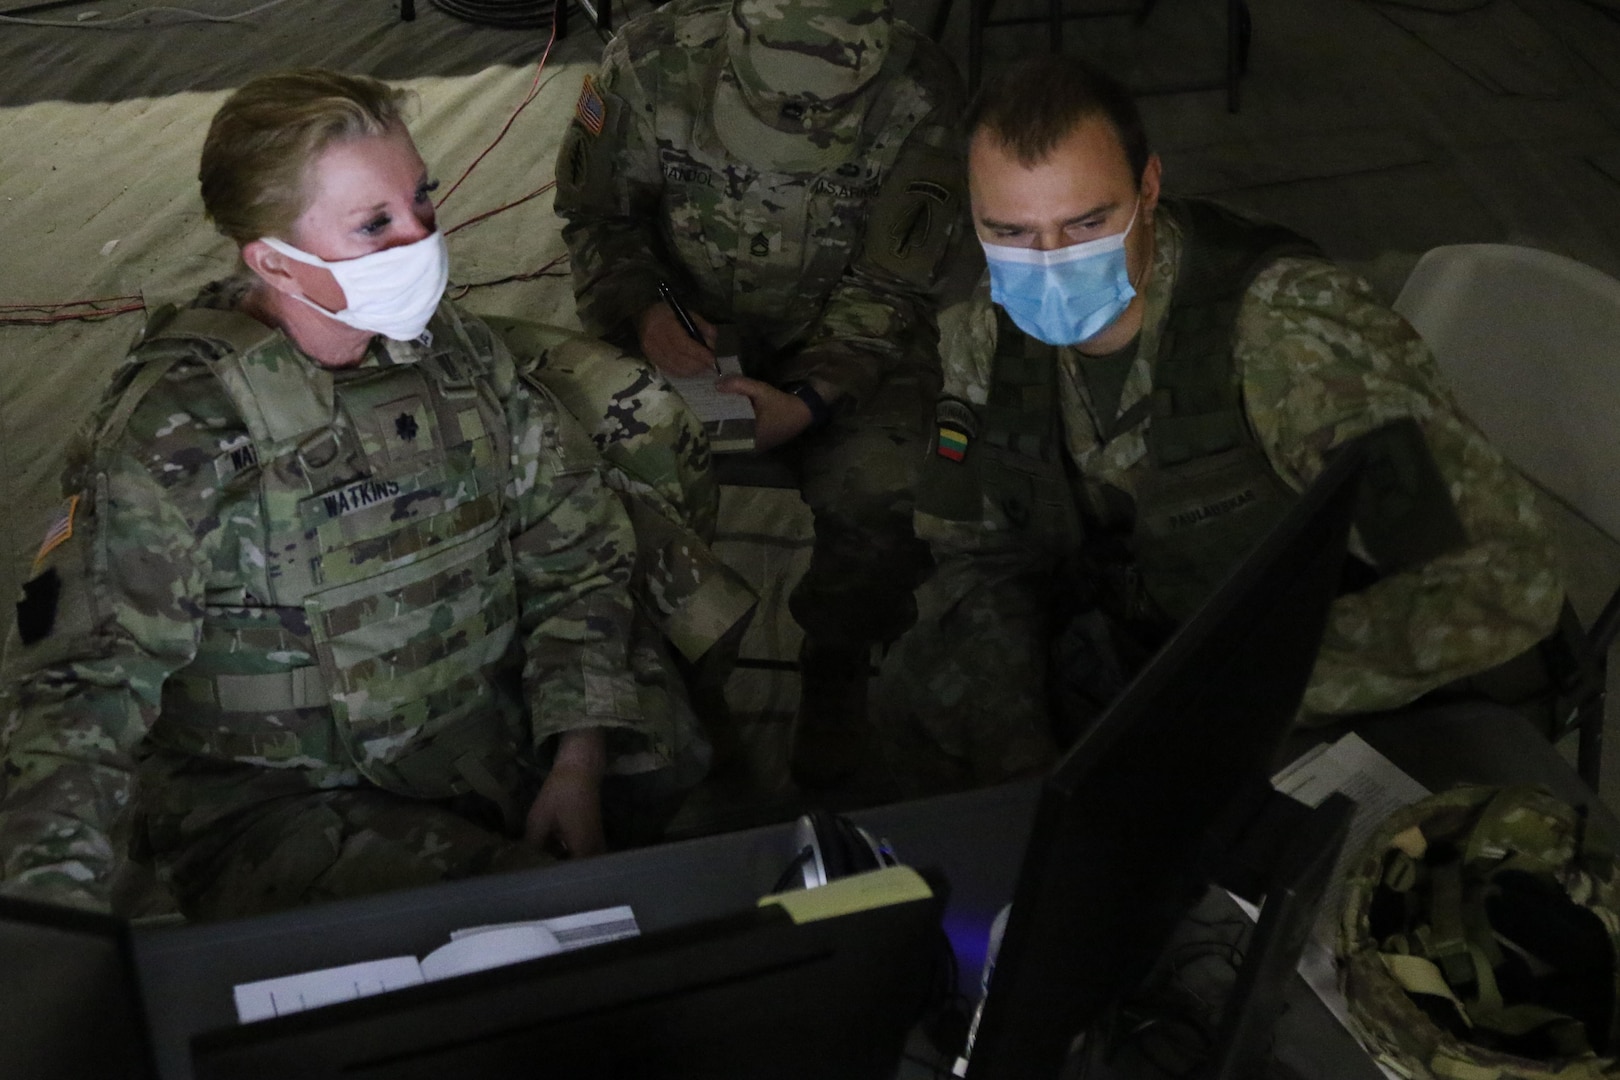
1082	439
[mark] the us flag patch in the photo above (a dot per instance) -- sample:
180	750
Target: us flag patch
590	110
60	530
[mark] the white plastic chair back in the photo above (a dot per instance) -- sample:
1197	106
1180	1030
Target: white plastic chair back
1530	341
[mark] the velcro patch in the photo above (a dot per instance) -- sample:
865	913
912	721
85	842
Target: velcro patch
1201	512
358	496
236	459
838	189
590	110
680	169
59	530
36	611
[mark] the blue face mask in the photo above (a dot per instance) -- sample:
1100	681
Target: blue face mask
1064	296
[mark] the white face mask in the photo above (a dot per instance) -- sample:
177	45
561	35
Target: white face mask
392	292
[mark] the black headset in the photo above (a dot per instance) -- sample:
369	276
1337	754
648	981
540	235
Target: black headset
829	846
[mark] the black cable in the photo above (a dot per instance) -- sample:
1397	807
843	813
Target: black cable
49	5
1436	7
939	1070
505	14
805	854
1169	1026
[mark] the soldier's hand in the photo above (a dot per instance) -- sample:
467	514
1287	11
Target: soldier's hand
566	816
665	342
779	416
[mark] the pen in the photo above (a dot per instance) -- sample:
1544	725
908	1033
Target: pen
680	313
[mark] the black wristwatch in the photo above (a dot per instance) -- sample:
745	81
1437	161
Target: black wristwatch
820	411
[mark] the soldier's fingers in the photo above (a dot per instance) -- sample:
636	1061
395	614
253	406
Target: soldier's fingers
693	361
710	334
677	354
740	384
540	822
582	833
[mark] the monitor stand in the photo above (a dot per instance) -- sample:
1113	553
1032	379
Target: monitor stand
1300	876
1285	853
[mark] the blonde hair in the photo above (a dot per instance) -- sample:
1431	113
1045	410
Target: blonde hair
262	141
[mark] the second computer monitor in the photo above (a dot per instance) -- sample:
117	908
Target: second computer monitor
1128	823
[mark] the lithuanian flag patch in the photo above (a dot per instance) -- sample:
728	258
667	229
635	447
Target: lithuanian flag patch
957	425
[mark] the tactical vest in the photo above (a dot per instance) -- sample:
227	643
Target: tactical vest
380	627
1206	493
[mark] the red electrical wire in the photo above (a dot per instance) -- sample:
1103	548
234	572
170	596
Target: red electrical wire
49	316
46	305
530	276
534	90
475	219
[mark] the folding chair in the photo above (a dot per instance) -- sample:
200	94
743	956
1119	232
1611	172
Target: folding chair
1531	343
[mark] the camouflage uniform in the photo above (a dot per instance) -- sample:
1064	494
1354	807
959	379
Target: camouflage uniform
1320	362
302	633
825	245
660	464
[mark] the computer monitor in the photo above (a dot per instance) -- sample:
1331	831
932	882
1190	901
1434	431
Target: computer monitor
1129	825
68	1001
834	997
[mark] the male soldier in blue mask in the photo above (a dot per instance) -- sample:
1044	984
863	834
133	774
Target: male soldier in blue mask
1142	389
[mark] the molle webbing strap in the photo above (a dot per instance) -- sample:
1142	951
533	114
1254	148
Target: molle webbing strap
1198	400
279	402
472	768
299	688
477	750
231	329
238	332
448	313
452	370
150	375
1448	944
1021	414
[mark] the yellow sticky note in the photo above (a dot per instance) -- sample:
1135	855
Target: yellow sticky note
858	892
